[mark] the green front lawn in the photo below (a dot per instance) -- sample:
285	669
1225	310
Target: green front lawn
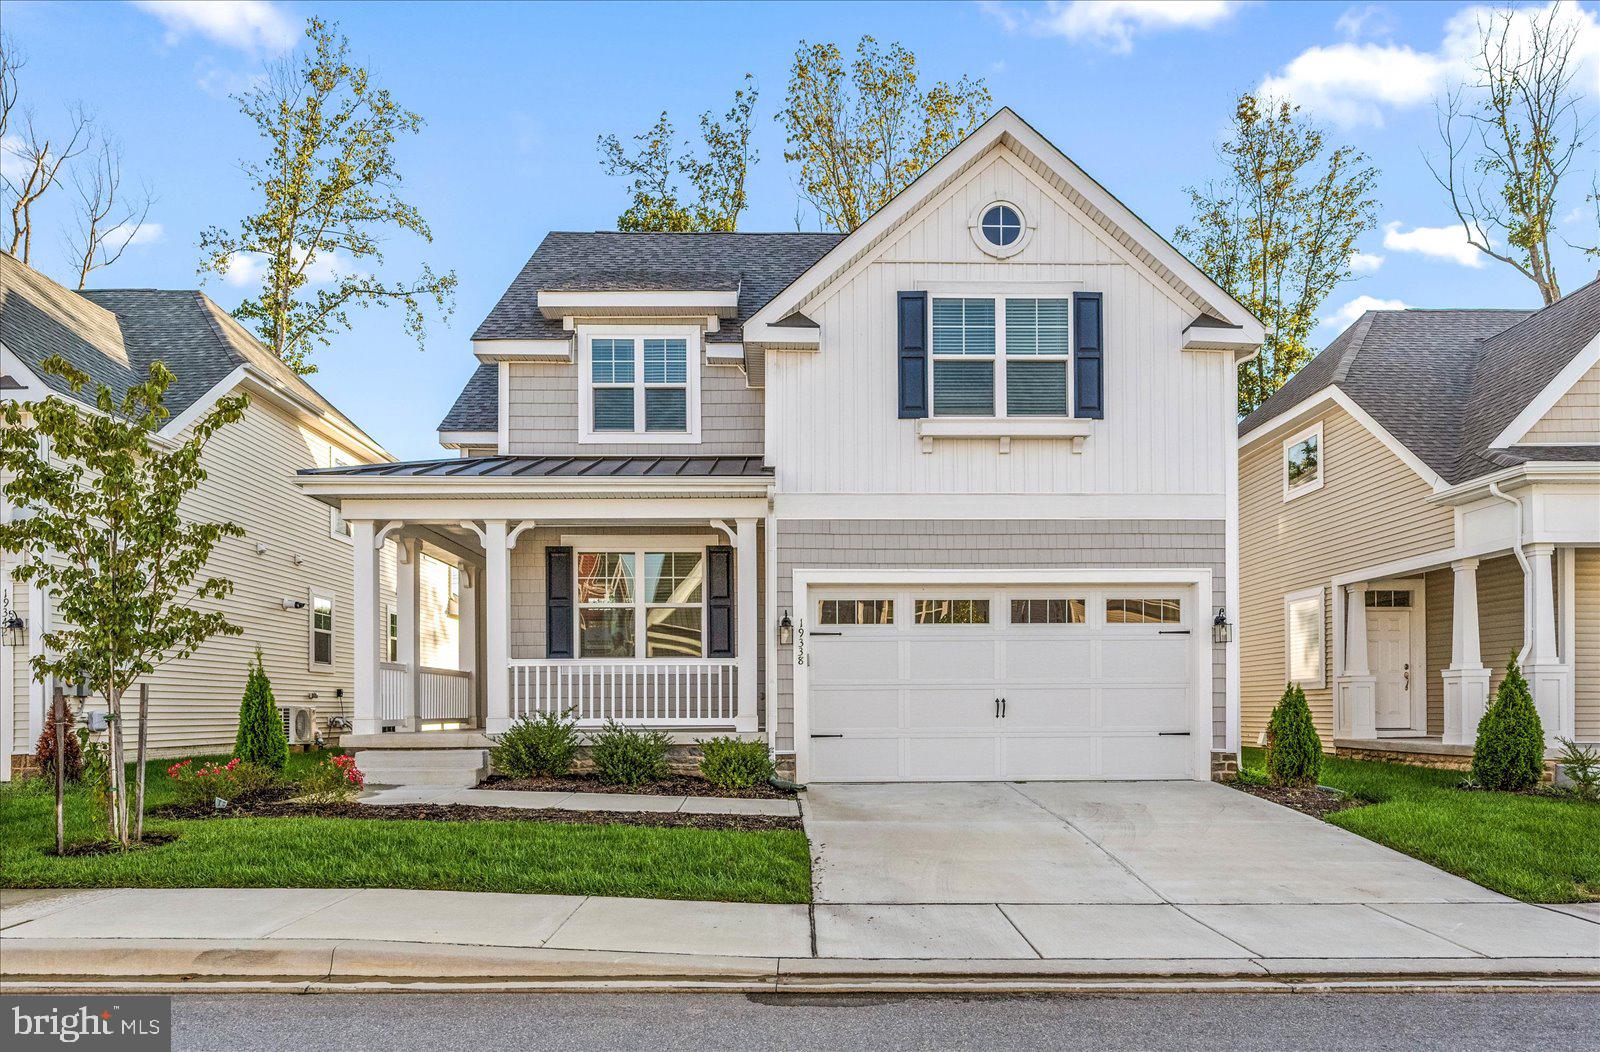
543	857
1535	848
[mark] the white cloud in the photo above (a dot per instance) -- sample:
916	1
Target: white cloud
1436	242
1365	262
1355	83
1114	24
147	234
1368	21
247	268
1359	306
249	25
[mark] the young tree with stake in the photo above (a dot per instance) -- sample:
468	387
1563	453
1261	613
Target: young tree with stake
103	534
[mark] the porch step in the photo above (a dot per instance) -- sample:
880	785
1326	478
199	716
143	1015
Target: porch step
431	768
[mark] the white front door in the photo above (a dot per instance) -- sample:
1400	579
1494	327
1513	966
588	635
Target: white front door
963	683
1389	650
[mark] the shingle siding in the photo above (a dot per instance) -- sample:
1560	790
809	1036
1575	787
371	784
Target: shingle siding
881	544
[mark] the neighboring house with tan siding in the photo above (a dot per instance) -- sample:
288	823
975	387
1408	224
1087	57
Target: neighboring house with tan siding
1419	504
291	570
946	498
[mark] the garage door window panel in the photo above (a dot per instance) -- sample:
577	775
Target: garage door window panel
837	612
1142	611
1049	612
951	611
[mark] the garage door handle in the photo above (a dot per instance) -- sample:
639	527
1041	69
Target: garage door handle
827	736
814	632
1162	632
1172	734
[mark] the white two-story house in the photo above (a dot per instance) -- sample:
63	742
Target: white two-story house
950	497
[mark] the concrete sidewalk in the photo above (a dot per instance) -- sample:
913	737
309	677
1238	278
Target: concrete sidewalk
311	937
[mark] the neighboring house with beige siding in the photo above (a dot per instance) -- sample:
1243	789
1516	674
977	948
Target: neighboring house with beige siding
291	569
946	498
1417	506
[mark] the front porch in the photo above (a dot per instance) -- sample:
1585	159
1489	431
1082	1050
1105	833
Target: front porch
609	597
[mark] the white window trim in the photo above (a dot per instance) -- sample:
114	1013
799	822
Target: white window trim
391	633
987	247
641	607
1289	601
337	528
690	334
1291	492
312	663
999	358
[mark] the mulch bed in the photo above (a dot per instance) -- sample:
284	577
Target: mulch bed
1316	802
672	785
90	848
476	813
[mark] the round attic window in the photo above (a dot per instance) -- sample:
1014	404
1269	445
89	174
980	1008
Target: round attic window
1000	229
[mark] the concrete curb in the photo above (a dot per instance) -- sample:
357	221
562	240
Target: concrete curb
165	966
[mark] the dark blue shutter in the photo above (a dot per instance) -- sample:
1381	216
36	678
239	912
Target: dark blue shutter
558	586
913	310
1088	350
719	601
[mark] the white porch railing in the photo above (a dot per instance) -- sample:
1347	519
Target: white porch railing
443	695
642	692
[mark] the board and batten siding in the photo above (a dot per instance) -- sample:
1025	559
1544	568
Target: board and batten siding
250	467
1004	544
542	413
1586	652
1370	510
1574	418
1167	412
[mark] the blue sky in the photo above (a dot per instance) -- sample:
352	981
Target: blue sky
515	95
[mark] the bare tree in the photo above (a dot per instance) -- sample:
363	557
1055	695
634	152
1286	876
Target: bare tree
1510	137
107	220
11	60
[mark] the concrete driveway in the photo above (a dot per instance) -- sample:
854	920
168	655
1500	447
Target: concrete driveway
1135	870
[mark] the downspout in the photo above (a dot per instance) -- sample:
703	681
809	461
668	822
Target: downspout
1527	573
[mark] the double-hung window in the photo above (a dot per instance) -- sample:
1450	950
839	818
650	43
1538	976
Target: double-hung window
641	604
1000	356
644	386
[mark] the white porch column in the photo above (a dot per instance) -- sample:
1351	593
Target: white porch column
744	618
467	630
407	598
1549	672
497	627
1466	681
365	620
1356	691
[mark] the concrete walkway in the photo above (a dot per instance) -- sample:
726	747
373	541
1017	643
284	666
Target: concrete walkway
622	802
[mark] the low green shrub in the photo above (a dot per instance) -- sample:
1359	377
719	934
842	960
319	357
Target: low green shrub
237	782
1581	766
1294	751
332	780
541	746
629	756
732	763
1509	753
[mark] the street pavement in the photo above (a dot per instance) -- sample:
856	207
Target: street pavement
1194	1022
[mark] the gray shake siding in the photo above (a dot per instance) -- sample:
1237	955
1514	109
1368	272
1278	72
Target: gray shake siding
1005	543
542	402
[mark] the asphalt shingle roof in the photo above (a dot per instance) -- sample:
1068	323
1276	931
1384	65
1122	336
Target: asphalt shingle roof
1445	383
114	335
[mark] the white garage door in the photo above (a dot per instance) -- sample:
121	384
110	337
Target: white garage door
955	684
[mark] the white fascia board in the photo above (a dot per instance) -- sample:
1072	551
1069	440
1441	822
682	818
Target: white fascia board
457	439
491	351
498	486
1334	396
1518	475
258	384
32	387
783	337
994	130
555	305
1553	392
724	353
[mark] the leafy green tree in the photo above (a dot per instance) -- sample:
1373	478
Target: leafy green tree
717	175
1509	752
260	739
329	191
861	135
1278	230
104	535
1294	751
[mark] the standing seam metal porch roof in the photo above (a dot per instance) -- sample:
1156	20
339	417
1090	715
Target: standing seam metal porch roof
555	467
